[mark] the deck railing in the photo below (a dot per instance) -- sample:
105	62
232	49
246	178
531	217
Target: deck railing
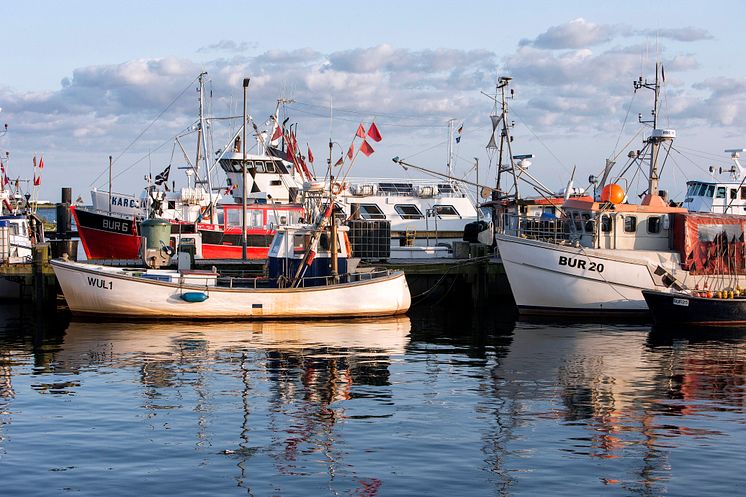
553	230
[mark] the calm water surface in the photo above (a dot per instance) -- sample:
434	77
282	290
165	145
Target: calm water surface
438	403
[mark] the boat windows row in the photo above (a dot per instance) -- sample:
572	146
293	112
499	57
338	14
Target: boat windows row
405	211
583	223
710	191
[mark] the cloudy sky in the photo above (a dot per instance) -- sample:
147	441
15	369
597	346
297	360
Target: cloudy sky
85	80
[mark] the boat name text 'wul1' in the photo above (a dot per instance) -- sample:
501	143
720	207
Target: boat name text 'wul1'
98	283
580	264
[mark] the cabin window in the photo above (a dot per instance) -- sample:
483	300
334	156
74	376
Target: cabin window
299	243
324	244
605	224
446	211
275	182
743	193
630	224
254	218
710	191
654	224
692	190
733	193
702	191
576	220
408	211
270	167
371	211
588	223
549	211
172	204
720	192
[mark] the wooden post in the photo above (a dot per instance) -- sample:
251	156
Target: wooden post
40	257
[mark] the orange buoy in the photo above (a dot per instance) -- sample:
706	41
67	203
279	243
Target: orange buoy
612	193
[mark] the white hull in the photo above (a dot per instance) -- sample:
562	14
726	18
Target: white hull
546	278
98	290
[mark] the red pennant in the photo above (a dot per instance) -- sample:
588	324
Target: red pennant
277	134
373	132
366	149
310	155
37	180
360	131
351	151
339	162
41	163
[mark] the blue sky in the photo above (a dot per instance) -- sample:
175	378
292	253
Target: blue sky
82	79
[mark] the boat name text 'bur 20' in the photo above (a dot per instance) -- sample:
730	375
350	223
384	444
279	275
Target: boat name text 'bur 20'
580	264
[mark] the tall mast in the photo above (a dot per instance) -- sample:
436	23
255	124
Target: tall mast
658	135
202	147
501	120
449	165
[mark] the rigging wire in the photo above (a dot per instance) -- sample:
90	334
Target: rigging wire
144	131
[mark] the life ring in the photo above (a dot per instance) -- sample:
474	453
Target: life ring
336	188
203	212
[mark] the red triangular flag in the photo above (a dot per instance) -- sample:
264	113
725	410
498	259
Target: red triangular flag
374	133
277	134
351	151
41	163
360	131
339	162
37	180
366	149
310	155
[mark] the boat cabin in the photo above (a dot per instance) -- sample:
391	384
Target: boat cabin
716	197
294	246
620	226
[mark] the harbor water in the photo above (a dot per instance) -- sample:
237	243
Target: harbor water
442	402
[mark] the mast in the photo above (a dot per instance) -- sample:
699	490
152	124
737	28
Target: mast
501	120
658	135
449	164
243	174
333	227
202	148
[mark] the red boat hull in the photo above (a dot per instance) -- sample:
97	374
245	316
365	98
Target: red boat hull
106	237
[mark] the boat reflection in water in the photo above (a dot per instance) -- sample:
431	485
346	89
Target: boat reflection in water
274	383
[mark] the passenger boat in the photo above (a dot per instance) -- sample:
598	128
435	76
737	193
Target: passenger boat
309	276
673	308
602	252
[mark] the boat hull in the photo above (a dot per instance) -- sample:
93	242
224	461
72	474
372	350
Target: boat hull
677	309
101	291
550	279
107	236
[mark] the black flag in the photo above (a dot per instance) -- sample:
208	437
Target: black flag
163	177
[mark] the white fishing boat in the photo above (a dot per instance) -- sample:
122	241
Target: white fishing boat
716	195
309	276
602	252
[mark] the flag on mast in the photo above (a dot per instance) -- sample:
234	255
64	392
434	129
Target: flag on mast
460	129
360	131
366	148
310	155
373	132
